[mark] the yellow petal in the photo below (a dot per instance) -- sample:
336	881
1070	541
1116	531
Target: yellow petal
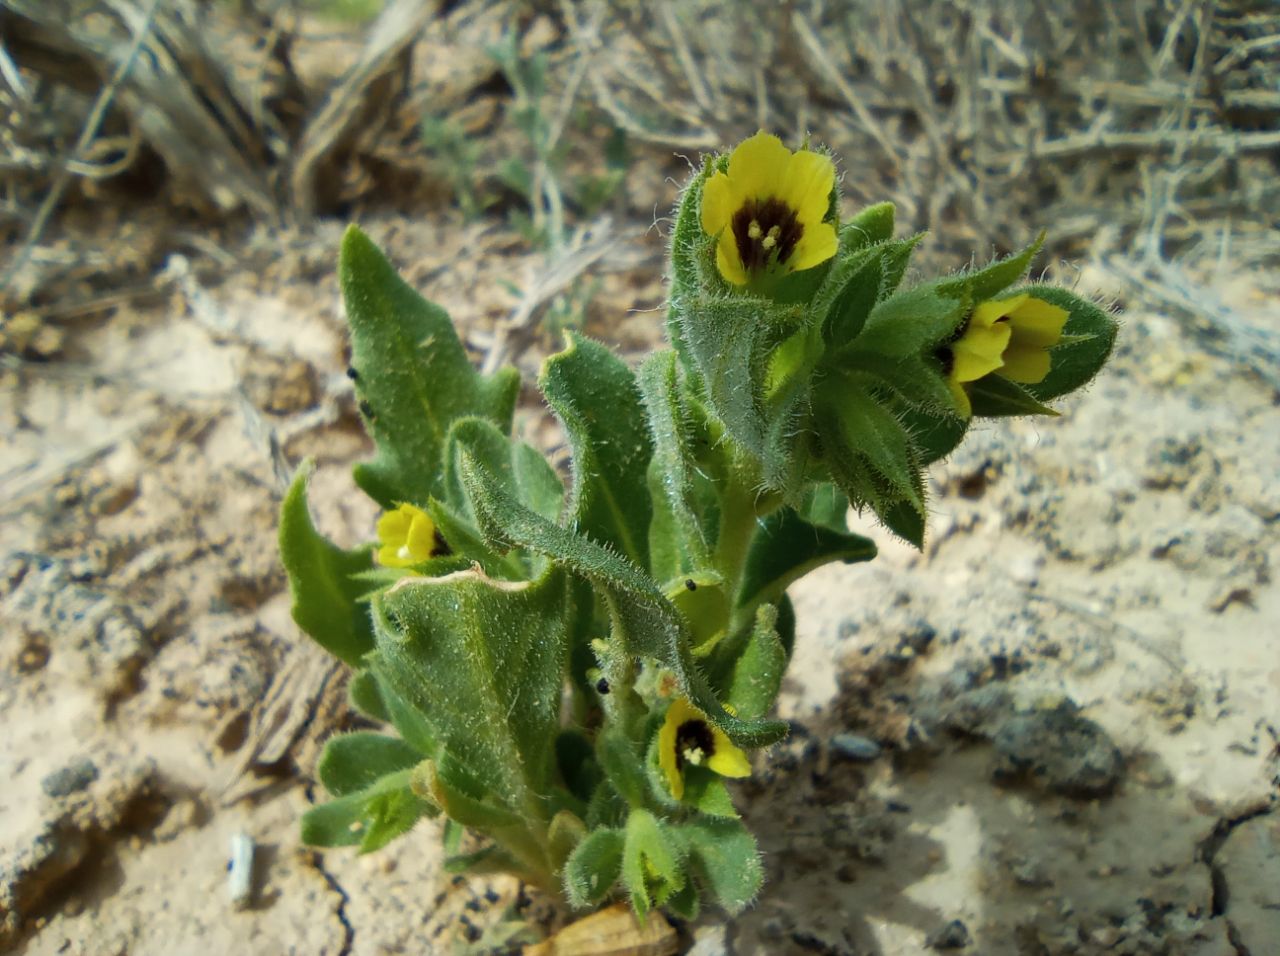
728	261
717	204
979	352
668	761
1036	322
1026	364
817	244
988	313
393	526
758	167
728	760
807	191
421	539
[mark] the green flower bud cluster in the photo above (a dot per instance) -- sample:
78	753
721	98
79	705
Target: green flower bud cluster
571	669
831	372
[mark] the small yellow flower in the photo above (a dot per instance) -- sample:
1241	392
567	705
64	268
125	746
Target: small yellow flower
687	737
408	536
1011	336
768	210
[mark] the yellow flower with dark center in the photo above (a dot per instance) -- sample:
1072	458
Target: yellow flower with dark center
688	738
407	536
1010	336
768	209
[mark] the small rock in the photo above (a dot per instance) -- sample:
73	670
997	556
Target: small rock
70	779
1249	862
1059	749
709	941
954	935
855	747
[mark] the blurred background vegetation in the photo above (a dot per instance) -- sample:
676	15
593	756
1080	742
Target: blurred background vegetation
1143	134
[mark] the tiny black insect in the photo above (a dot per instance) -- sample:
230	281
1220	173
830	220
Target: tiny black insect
691	584
352	373
366	409
602	686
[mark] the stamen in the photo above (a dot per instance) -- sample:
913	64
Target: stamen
754	231
694	756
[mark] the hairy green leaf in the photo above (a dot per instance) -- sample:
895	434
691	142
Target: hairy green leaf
645	622
594	395
651	865
593	867
724	859
786	547
356	761
482	661
413	378
323	580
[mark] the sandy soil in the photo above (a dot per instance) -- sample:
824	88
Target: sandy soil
1053	732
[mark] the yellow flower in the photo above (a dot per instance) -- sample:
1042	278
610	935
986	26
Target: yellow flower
408	536
687	737
768	209
1011	336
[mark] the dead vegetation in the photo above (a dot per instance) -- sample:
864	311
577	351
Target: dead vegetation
1145	128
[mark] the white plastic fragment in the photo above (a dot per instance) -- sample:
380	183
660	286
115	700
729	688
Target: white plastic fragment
240	870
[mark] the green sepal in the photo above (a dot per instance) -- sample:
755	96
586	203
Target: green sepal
366	697
982	285
413	375
595	396
593	867
934	434
871	225
856	283
368	818
905	520
873	460
1088	338
645	622
651	863
896	346
723	858
994	396
757	671
327	594
483	662
825	505
786	547
353	762
704	790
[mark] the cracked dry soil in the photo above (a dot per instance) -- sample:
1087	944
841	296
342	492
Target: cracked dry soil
1054	732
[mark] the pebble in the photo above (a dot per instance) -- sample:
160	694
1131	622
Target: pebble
74	777
855	747
954	935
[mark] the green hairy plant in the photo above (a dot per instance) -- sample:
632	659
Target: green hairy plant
570	668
